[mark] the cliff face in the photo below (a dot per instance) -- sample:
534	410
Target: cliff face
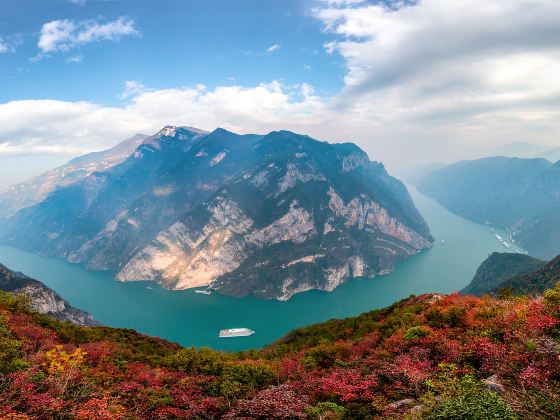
43	299
267	215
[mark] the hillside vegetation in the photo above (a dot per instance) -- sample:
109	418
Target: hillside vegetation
500	267
431	356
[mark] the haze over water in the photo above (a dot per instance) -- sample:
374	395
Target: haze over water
194	320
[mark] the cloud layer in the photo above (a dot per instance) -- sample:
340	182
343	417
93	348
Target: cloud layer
427	81
49	126
465	64
64	35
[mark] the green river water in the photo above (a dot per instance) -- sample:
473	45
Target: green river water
194	319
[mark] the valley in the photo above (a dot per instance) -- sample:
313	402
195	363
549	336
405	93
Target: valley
195	319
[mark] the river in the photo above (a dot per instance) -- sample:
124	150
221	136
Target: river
194	319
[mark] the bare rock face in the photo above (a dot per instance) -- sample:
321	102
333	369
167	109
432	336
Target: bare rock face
43	299
270	215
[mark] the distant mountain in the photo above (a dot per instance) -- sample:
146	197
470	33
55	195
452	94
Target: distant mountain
267	215
515	149
552	155
498	269
520	195
38	188
43	299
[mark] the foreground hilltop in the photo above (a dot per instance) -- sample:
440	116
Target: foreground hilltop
431	356
268	215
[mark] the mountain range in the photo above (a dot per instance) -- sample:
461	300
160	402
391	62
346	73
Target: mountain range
520	195
270	215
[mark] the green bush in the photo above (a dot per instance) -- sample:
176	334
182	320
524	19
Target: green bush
191	360
9	351
483	405
467	399
415	332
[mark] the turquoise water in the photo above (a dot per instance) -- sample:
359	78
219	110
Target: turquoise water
194	319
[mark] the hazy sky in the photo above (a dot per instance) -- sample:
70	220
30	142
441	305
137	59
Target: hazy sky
409	81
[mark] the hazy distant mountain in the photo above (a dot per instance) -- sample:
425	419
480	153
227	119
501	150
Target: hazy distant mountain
36	189
268	215
43	299
515	149
521	195
500	268
552	155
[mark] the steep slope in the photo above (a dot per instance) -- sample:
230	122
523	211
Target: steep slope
267	215
426	357
38	188
520	195
43	299
498	268
533	283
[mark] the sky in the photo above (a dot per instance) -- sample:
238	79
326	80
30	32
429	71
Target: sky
411	82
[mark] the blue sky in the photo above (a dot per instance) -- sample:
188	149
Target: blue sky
178	44
411	82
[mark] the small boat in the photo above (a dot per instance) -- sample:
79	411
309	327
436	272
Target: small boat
443	241
148	287
203	292
235	332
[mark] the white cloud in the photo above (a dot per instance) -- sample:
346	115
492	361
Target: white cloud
458	73
49	126
64	35
273	48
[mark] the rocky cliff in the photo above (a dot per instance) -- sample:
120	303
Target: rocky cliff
43	299
269	215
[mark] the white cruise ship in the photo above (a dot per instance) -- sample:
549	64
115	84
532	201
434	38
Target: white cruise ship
236	332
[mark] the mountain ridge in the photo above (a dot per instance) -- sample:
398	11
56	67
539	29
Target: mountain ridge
190	208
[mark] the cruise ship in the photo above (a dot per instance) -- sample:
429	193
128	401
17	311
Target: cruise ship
236	332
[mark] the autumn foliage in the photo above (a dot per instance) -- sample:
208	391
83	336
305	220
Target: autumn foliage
424	357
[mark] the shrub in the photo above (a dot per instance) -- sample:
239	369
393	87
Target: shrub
416	332
10	351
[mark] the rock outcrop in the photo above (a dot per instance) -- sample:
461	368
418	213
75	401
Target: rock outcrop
43	299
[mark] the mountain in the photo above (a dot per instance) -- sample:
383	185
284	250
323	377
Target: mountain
425	357
514	149
43	299
520	195
552	155
498	269
536	282
268	215
37	189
